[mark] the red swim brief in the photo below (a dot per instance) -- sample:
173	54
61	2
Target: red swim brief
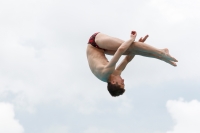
92	41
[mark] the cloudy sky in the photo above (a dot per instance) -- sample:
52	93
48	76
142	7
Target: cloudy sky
46	85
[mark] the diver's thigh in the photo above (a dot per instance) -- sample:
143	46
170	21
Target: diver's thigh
107	42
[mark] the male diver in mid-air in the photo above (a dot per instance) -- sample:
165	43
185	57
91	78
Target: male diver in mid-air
100	44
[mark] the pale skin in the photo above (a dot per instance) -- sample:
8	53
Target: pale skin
106	70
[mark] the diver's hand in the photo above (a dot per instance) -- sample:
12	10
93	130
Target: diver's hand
133	35
143	39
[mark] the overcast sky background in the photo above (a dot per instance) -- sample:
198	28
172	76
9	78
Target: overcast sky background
46	85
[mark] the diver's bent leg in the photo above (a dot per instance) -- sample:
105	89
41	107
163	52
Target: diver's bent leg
112	44
107	42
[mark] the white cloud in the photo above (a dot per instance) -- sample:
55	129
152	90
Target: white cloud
8	124
186	116
177	11
126	105
28	76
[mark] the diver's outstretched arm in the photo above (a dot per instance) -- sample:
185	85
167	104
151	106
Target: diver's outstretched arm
124	63
120	51
128	58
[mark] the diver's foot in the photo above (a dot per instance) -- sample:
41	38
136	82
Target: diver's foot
166	56
170	62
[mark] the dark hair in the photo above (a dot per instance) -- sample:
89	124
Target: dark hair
115	89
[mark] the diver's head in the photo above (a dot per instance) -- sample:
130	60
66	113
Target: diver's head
116	85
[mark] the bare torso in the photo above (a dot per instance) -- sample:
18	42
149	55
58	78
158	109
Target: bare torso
97	61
